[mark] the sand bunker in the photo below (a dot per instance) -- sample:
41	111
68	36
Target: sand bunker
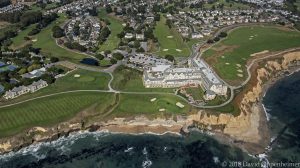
258	53
240	75
241	71
169	36
178	50
152	100
34	40
161	110
179	105
76	76
239	65
227	63
165	49
223	57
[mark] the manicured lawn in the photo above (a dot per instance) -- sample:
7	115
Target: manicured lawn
48	111
48	44
127	79
87	81
131	104
197	93
242	42
19	40
115	27
170	40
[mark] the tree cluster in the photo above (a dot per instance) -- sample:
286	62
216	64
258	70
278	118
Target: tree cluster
57	32
75	46
105	32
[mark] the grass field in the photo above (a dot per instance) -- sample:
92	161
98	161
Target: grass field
229	56
131	105
116	27
87	81
227	5
127	79
47	111
197	93
170	40
48	44
19	40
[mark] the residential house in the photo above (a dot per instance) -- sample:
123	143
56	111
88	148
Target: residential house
128	35
15	92
35	86
35	73
18	91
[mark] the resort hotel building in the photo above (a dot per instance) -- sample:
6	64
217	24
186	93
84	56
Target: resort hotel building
197	73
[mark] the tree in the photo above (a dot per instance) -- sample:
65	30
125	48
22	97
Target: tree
118	56
136	44
157	17
33	67
210	41
223	34
140	50
58	32
31	17
34	32
108	9
48	78
113	61
99	56
54	59
106	52
22	71
170	57
169	23
217	39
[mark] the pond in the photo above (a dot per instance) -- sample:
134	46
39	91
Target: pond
90	61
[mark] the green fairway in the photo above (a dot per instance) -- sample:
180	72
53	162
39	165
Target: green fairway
115	27
128	79
132	104
227	5
47	111
87	81
229	56
48	45
19	40
170	40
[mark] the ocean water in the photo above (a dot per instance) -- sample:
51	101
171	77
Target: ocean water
282	104
106	150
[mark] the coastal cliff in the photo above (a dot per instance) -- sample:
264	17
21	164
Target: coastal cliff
248	130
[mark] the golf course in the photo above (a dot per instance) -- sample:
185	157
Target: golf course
48	110
229	56
115	27
82	90
170	41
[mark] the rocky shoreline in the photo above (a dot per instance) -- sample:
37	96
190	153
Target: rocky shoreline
248	131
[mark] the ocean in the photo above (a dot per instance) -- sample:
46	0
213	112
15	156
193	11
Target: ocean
199	150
